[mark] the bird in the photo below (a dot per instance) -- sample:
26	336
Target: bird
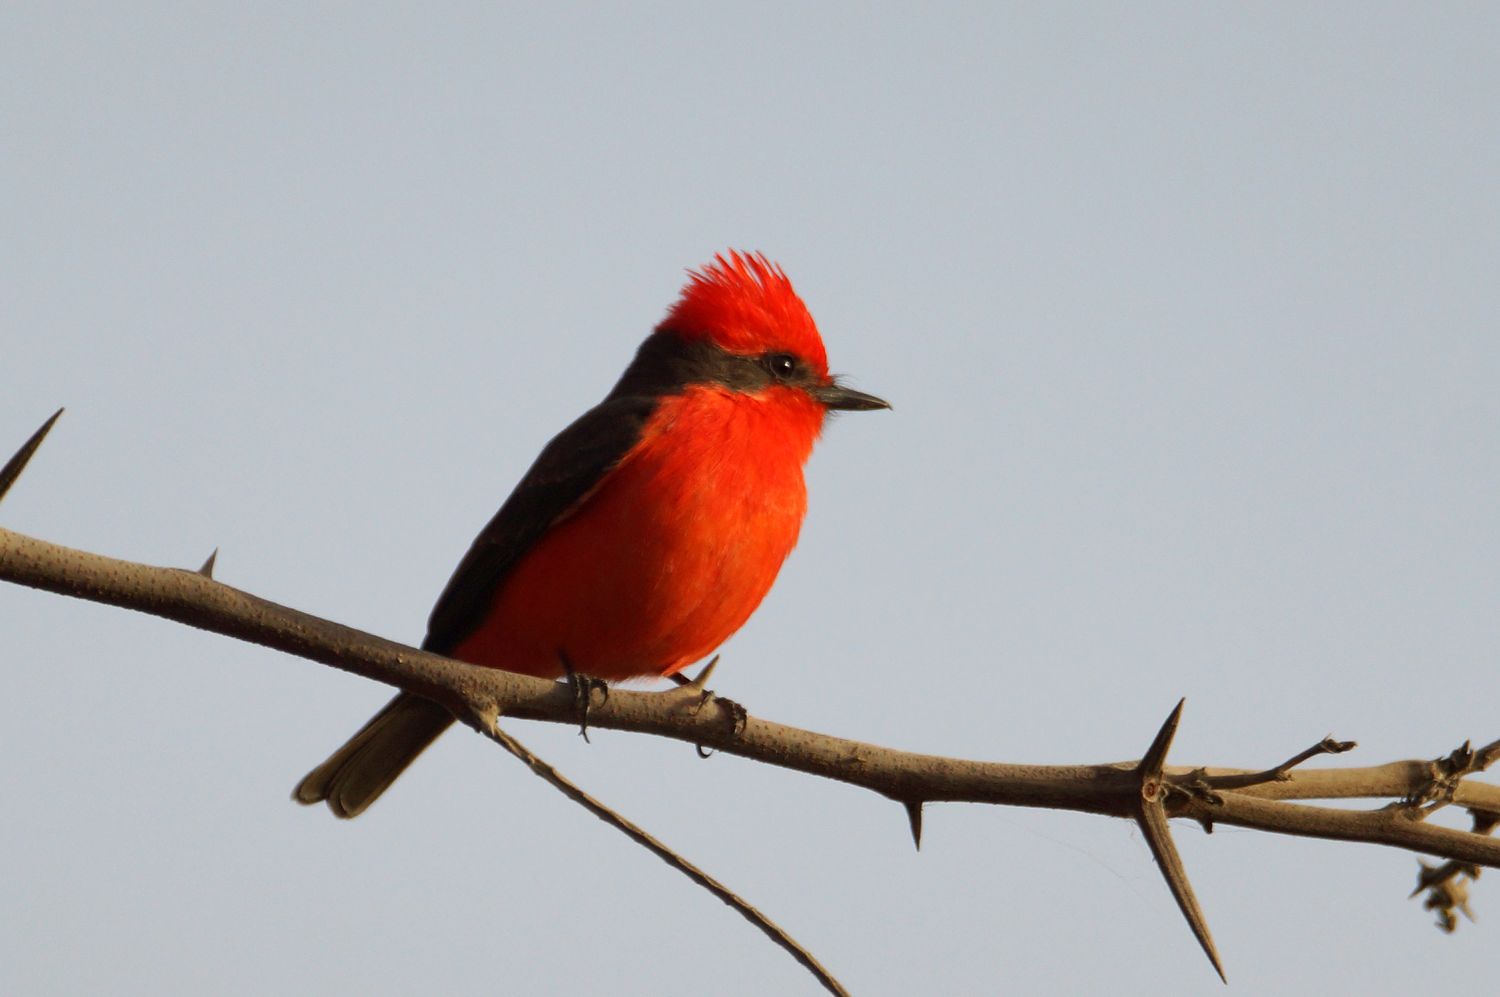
648	531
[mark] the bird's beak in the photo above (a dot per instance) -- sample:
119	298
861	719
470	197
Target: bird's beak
835	396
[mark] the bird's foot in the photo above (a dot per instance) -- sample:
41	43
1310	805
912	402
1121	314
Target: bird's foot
584	687
695	691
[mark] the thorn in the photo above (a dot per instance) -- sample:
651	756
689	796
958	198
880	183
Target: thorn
914	815
1152	819
13	467
207	571
1153	822
1156	756
701	679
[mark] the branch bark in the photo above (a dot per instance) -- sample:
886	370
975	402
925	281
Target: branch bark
474	693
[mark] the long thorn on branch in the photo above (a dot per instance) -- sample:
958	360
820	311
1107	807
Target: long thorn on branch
1152	818
13	467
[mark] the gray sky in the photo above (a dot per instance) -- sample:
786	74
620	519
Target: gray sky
1189	317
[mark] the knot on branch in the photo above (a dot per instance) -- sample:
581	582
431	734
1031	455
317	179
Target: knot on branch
1445	775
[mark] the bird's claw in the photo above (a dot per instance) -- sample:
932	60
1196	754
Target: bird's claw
738	716
584	687
687	688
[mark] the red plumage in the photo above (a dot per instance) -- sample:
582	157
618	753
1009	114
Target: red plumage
671	554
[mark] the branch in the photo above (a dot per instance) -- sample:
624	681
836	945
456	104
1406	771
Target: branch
1148	792
472	693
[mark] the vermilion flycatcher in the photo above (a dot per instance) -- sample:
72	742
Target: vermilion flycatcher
649	530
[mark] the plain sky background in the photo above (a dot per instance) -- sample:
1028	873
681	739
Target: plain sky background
1189	316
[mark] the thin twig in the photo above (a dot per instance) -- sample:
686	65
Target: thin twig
666	854
1282	772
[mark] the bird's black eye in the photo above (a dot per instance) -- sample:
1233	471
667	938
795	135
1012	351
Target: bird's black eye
781	365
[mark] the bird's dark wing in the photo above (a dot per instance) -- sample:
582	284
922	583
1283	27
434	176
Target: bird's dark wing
567	469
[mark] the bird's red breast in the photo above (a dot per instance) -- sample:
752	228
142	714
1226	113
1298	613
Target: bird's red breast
671	553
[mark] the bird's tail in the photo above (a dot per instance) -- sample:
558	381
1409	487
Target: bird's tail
355	775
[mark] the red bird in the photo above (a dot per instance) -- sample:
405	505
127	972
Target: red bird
649	530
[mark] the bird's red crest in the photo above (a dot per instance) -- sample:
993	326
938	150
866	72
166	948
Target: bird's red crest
744	303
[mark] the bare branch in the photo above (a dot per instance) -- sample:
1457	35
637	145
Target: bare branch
471	692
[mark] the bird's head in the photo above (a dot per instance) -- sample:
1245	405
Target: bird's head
742	317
